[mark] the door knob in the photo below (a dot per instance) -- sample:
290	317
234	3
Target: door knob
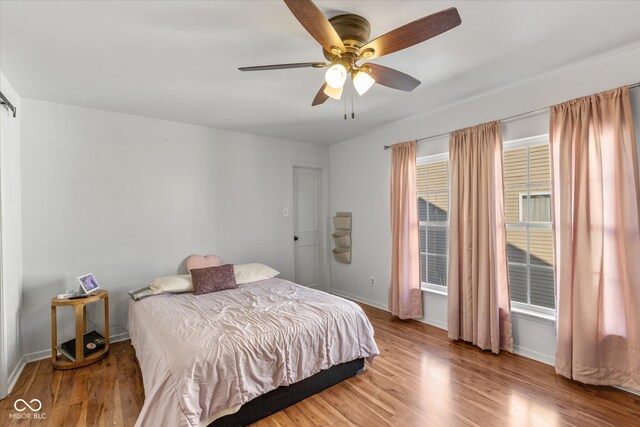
295	238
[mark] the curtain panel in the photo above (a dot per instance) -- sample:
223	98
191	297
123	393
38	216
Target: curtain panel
479	303
597	239
405	294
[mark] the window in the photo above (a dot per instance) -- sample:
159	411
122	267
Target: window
540	207
527	177
433	212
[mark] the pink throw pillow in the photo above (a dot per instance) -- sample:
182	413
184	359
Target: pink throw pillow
213	279
202	261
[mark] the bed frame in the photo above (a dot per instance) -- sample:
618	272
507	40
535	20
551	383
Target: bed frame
282	397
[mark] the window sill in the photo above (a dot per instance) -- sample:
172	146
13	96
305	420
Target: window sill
533	313
434	290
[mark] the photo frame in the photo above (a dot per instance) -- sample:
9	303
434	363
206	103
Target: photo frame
88	283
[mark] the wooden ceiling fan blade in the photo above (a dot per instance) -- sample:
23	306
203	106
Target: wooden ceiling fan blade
413	33
392	78
316	24
321	97
284	66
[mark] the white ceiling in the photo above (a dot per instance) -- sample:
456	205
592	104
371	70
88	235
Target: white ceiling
178	60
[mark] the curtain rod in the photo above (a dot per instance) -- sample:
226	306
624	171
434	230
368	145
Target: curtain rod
506	119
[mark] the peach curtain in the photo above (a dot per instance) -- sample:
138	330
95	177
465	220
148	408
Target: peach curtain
405	296
479	299
597	239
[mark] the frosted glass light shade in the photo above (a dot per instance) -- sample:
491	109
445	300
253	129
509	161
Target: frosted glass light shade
336	76
362	82
332	92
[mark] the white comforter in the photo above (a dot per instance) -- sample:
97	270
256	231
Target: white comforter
202	357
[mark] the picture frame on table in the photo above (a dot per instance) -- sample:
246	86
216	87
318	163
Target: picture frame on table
88	283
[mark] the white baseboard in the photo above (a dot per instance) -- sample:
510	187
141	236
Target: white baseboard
428	321
433	322
358	299
551	360
37	355
531	354
629	390
122	336
44	354
522	351
15	374
535	355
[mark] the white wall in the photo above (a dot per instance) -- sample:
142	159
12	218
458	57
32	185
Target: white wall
359	178
128	198
11	249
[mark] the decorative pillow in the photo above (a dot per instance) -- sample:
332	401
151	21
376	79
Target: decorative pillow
246	273
202	261
179	283
213	279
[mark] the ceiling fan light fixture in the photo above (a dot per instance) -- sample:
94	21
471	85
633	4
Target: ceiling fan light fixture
335	76
334	93
362	81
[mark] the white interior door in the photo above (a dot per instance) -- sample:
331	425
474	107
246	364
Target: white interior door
308	227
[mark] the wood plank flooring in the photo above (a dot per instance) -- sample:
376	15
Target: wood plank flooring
420	379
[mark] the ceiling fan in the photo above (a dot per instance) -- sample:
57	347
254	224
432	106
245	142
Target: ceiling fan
345	41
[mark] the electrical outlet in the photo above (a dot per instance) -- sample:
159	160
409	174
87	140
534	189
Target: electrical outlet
373	281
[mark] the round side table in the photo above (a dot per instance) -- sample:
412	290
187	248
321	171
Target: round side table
80	307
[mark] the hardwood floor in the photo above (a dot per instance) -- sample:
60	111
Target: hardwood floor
420	379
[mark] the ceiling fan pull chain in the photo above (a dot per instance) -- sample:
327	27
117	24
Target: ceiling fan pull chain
353	114
345	108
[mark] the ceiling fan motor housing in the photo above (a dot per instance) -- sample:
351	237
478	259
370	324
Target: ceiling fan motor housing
354	31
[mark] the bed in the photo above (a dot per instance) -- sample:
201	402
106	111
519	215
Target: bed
221	358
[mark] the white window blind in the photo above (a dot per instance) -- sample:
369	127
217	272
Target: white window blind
433	211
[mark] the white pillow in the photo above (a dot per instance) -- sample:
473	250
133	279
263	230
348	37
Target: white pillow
246	273
178	283
138	294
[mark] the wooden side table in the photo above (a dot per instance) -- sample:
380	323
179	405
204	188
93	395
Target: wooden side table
80	307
